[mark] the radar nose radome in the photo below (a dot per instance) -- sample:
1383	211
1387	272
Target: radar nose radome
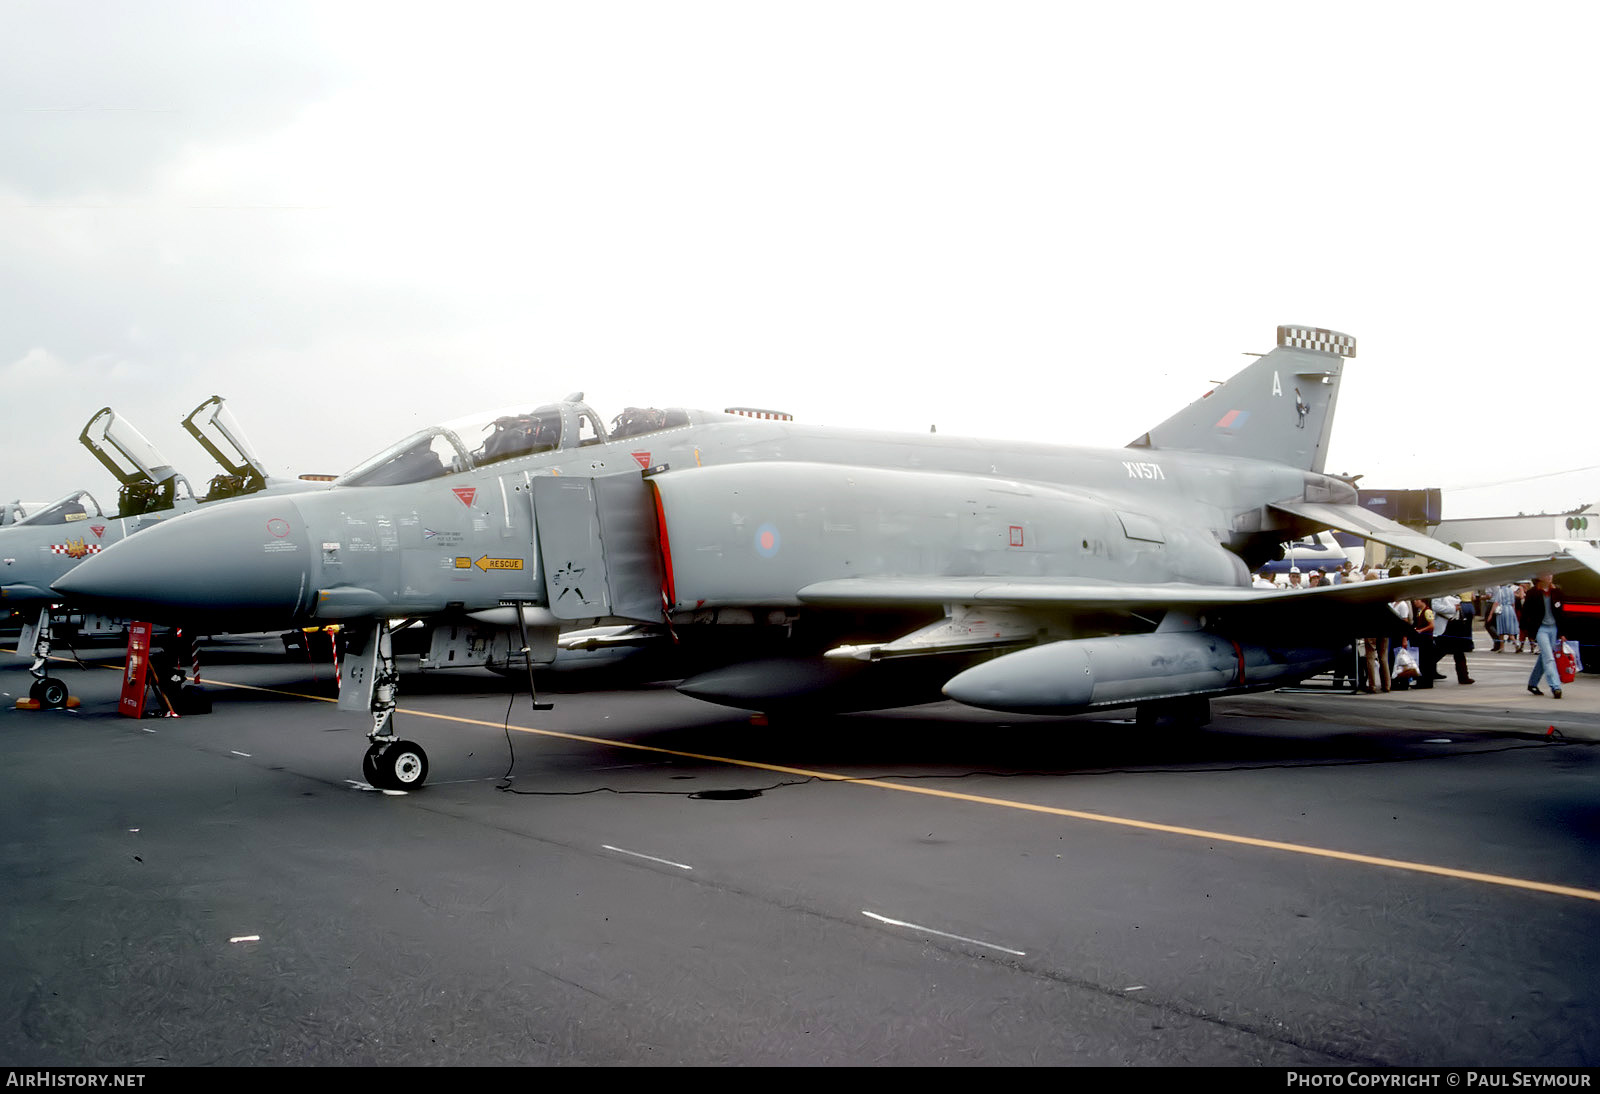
245	562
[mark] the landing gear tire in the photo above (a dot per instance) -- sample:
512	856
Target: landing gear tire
49	693
369	766
398	765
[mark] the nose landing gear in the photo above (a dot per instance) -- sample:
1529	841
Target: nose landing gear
389	763
47	691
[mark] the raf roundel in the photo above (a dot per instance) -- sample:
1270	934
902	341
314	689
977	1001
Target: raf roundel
767	541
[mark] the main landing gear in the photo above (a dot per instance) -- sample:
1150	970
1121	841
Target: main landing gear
390	763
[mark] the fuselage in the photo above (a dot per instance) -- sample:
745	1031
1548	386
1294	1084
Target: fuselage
925	503
34	556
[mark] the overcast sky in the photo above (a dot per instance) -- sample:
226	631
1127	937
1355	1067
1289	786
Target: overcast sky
1057	221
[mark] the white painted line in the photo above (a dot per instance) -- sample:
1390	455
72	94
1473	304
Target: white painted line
142	729
236	752
941	934
246	938
650	858
1437	741
1136	987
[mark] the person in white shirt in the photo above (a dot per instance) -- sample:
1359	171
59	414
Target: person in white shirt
1402	610
1446	610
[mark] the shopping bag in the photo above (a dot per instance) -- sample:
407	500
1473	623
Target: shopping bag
1577	655
1566	666
1405	664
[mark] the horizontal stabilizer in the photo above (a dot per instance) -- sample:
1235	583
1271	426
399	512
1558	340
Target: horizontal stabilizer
1584	584
1364	522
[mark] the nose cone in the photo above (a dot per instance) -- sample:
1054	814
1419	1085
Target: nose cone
243	562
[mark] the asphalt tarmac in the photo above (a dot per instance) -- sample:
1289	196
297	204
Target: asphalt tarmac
636	877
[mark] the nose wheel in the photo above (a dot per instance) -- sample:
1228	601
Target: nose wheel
395	765
49	693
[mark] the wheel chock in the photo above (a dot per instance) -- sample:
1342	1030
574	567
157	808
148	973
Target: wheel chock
73	702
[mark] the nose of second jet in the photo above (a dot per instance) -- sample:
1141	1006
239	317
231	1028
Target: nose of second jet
245	561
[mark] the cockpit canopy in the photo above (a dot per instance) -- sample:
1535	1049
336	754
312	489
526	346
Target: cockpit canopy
214	426
124	451
483	439
479	440
76	506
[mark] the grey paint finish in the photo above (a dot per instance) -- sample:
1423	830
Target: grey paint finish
815	538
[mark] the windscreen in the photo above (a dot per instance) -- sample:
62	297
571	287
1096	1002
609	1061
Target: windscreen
430	454
461	445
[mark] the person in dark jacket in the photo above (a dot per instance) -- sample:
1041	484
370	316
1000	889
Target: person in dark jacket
1452	634
1543	619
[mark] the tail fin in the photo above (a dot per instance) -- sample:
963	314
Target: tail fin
1280	408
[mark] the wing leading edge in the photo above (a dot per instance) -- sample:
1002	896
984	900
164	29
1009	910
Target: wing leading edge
1068	595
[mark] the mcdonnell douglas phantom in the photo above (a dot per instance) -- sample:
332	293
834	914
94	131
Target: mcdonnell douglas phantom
42	546
803	567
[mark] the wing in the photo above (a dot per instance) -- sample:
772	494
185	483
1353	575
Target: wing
1364	522
1068	595
1065	594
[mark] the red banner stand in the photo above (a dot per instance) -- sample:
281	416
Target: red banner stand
133	678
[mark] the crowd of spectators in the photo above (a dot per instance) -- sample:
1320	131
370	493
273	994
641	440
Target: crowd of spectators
1422	633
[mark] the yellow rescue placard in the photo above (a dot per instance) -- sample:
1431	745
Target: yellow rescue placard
486	564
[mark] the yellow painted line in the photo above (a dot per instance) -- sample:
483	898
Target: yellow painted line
272	691
1055	811
1007	803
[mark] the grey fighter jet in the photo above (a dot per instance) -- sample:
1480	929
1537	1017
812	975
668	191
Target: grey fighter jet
42	546
803	567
